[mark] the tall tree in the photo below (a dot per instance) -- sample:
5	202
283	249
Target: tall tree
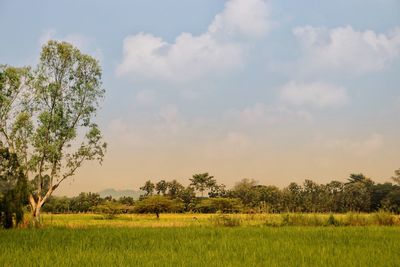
161	187
202	182
148	188
174	189
246	191
48	119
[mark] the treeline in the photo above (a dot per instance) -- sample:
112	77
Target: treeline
357	194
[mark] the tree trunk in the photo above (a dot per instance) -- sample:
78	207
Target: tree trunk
36	205
36	215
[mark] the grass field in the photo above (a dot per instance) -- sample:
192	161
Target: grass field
202	246
181	240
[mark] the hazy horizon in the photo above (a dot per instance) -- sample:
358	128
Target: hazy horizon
276	91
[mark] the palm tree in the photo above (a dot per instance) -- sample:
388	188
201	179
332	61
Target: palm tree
202	182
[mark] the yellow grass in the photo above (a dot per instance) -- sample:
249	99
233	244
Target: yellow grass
190	220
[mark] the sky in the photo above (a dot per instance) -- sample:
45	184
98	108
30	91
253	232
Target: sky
272	90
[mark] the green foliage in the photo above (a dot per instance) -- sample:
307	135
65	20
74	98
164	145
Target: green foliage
157	204
13	189
46	117
202	182
332	221
223	205
148	188
111	209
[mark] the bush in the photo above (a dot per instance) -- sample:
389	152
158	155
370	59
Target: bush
223	205
110	209
332	221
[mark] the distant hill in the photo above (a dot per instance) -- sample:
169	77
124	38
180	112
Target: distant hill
120	193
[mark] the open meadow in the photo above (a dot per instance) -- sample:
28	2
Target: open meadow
203	240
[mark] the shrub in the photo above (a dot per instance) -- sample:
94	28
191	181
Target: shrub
332	221
223	205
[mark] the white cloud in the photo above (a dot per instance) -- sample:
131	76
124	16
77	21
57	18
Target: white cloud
242	17
313	94
219	50
346	49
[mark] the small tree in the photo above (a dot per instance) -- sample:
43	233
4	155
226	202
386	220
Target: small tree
157	204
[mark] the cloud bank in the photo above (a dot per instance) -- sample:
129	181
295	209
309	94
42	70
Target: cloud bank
345	49
220	49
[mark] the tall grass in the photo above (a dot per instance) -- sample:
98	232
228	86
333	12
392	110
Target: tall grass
190	220
202	246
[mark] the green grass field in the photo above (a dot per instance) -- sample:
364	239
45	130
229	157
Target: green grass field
202	246
180	240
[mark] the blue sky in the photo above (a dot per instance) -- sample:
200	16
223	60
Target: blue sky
278	91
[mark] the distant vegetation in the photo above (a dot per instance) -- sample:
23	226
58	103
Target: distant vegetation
358	194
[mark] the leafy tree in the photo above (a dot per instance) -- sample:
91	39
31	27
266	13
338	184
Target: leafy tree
354	178
13	189
293	197
57	205
202	182
357	197
269	197
47	118
245	191
379	192
188	197
126	200
148	188
311	195
392	201
174	189
218	190
161	187
157	204
334	197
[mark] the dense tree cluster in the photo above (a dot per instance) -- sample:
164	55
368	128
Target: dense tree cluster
358	194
